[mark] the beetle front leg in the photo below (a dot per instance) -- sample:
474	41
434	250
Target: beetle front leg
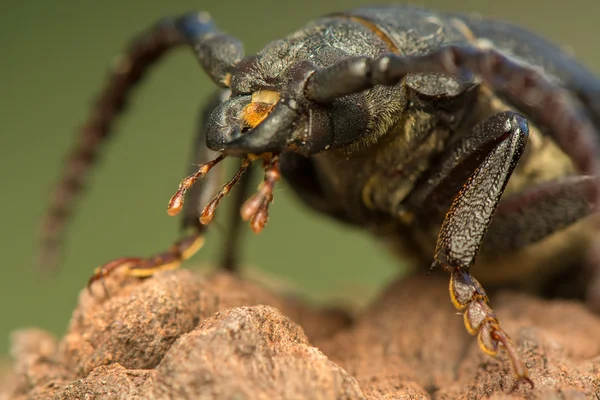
178	252
464	228
203	160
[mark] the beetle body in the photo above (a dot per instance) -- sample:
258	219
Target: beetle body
385	138
434	131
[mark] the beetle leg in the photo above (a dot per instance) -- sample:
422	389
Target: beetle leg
144	267
464	228
545	102
180	250
185	248
202	191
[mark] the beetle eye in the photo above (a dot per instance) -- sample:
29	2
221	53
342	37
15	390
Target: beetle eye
259	108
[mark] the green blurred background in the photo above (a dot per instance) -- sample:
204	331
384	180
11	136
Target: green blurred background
54	57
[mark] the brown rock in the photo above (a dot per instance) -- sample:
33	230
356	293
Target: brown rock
135	326
408	342
180	335
112	382
247	353
413	341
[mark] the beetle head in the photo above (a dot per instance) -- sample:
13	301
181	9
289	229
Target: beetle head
268	114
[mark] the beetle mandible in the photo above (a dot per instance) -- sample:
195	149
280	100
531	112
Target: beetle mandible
397	119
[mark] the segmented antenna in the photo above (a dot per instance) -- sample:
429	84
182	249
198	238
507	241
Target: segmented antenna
130	67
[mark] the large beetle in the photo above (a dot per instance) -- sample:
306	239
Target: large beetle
445	135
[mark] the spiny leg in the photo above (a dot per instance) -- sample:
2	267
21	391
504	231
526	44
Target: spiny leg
216	52
543	209
465	226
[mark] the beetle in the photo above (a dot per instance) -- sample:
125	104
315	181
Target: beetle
448	136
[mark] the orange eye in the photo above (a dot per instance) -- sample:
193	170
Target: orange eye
262	104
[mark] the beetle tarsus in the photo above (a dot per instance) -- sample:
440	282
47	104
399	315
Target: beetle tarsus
468	296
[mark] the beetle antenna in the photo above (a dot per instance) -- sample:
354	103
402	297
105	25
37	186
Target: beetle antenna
216	52
130	68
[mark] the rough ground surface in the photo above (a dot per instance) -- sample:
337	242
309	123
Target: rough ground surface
182	336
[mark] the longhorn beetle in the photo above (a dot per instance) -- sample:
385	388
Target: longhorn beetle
407	122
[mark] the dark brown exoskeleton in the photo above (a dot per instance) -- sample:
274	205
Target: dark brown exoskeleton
396	119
